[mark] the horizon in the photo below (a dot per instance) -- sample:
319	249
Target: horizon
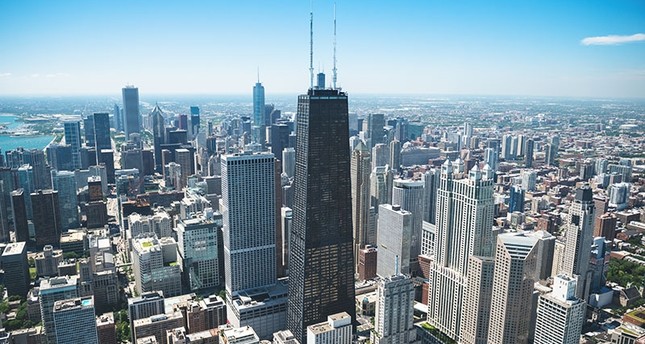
547	49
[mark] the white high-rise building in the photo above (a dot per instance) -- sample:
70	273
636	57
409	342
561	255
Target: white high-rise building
394	321
154	264
579	237
464	228
409	195
510	310
336	330
197	246
529	179
52	290
248	210
560	314
381	185
394	237
289	161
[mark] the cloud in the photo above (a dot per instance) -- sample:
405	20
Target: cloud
5	75
613	39
55	75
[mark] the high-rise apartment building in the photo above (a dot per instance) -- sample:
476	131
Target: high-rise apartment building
336	330
360	177
430	186
289	161
381	181
131	115
560	314
394	321
19	211
464	228
74	321
145	305
579	237
154	265
259	113
248	210
321	282
510	311
475	318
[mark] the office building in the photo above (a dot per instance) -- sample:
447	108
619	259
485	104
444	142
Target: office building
367	262
16	269
464	228
154	265
510	311
52	290
184	158
145	306
410	196
158	132
279	138
59	157
73	139
430	186
131	115
516	199
47	261
102	138
395	154
360	178
394	240
380	155
491	157
239	335
375	131
19	211
156	326
578	227
197	241
321	282
284	337
64	183
249	221
336	330
479	288
289	161
394	321
106	329
47	223
560	314
74	321
88	131
381	181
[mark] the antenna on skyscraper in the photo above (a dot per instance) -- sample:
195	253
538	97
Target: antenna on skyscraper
311	45
334	74
258	74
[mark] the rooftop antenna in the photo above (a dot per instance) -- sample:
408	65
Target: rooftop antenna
334	75
258	74
311	45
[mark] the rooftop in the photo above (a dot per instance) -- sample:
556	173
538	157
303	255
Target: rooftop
14	248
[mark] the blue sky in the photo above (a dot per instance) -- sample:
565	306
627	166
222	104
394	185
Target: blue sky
386	47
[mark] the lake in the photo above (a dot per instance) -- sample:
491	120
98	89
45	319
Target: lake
8	143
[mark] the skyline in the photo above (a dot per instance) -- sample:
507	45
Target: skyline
467	48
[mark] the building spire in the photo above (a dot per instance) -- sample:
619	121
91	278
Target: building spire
334	71
311	45
258	74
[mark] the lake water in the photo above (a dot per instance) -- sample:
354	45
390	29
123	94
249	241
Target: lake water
8	143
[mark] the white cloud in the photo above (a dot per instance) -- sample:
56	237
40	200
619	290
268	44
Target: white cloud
5	75
613	39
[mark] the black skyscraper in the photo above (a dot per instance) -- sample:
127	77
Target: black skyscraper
321	273
158	131
131	121
102	131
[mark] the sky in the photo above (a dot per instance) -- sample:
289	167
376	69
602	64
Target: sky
526	48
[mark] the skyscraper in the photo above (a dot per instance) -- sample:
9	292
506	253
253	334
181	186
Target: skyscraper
430	186
258	112
194	119
579	236
321	282
131	116
510	311
249	221
560	314
16	268
46	218
118	118
394	237
394	321
102	131
75	321
52	290
197	240
375	124
19	211
65	183
516	199
528	153
360	176
73	138
464	229
409	195
158	132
